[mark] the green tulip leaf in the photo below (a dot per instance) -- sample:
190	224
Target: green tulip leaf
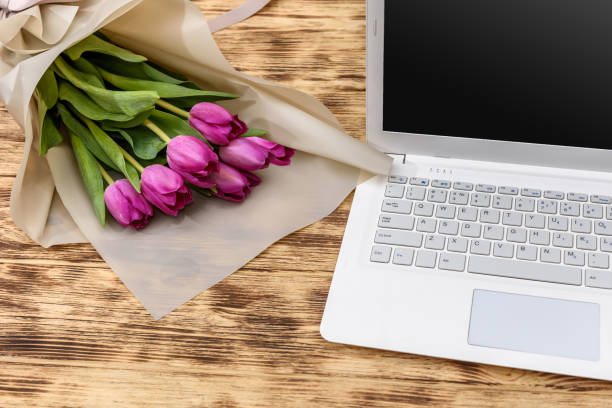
135	121
112	150
87	67
254	132
47	89
163	89
76	127
98	45
173	125
138	70
86	106
91	175
129	102
145	144
50	136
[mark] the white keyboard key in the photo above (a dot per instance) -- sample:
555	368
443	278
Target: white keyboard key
547	206
403	256
581	225
459	197
514	219
415	193
599	261
563	240
480	199
592	211
525	270
394	191
398	179
601	199
436	195
426	259
467	214
448	227
470	230
516	235
598	279
480	247
502	202
577	197
397	206
508	190
503	250
441	183
485	188
434	242
535	221
574	258
554	195
404	222
446	211
609	212
424	209
452	262
460	185
570	209
539	237
426	225
603	228
531	192
489	216
587	242
418	181
524	204
456	244
495	232
380	254
550	255
557	223
403	238
605	244
526	252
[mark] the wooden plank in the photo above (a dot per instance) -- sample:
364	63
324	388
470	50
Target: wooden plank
73	336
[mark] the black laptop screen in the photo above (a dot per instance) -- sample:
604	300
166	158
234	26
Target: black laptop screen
537	71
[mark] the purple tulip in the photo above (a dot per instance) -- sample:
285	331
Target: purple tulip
216	124
165	189
129	208
192	159
233	184
254	153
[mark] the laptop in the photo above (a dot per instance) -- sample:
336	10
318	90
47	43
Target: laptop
490	239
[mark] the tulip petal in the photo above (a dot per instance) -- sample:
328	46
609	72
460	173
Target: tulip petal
211	113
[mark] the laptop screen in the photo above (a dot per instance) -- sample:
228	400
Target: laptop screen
537	71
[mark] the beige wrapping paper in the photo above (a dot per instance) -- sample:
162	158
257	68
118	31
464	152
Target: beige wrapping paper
174	259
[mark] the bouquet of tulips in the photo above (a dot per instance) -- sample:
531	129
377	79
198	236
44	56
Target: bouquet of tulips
149	134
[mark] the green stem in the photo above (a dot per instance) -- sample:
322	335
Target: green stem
132	160
172	108
155	129
105	175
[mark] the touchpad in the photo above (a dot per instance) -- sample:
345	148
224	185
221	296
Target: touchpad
554	327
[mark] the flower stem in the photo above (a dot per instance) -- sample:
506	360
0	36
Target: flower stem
105	175
132	160
172	108
155	129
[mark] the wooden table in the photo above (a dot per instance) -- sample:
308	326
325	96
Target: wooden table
71	335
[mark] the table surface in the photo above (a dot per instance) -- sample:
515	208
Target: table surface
72	335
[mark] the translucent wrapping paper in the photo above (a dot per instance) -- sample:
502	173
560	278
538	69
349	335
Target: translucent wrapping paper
174	259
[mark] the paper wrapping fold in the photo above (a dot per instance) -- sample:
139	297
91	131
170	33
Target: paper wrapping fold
174	259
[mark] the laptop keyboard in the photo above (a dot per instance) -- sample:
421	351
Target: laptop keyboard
506	231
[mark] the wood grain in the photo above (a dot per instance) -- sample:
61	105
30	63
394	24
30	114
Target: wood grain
73	336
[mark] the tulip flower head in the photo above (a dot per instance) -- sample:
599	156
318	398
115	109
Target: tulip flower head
193	159
254	153
233	184
129	208
165	189
216	124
